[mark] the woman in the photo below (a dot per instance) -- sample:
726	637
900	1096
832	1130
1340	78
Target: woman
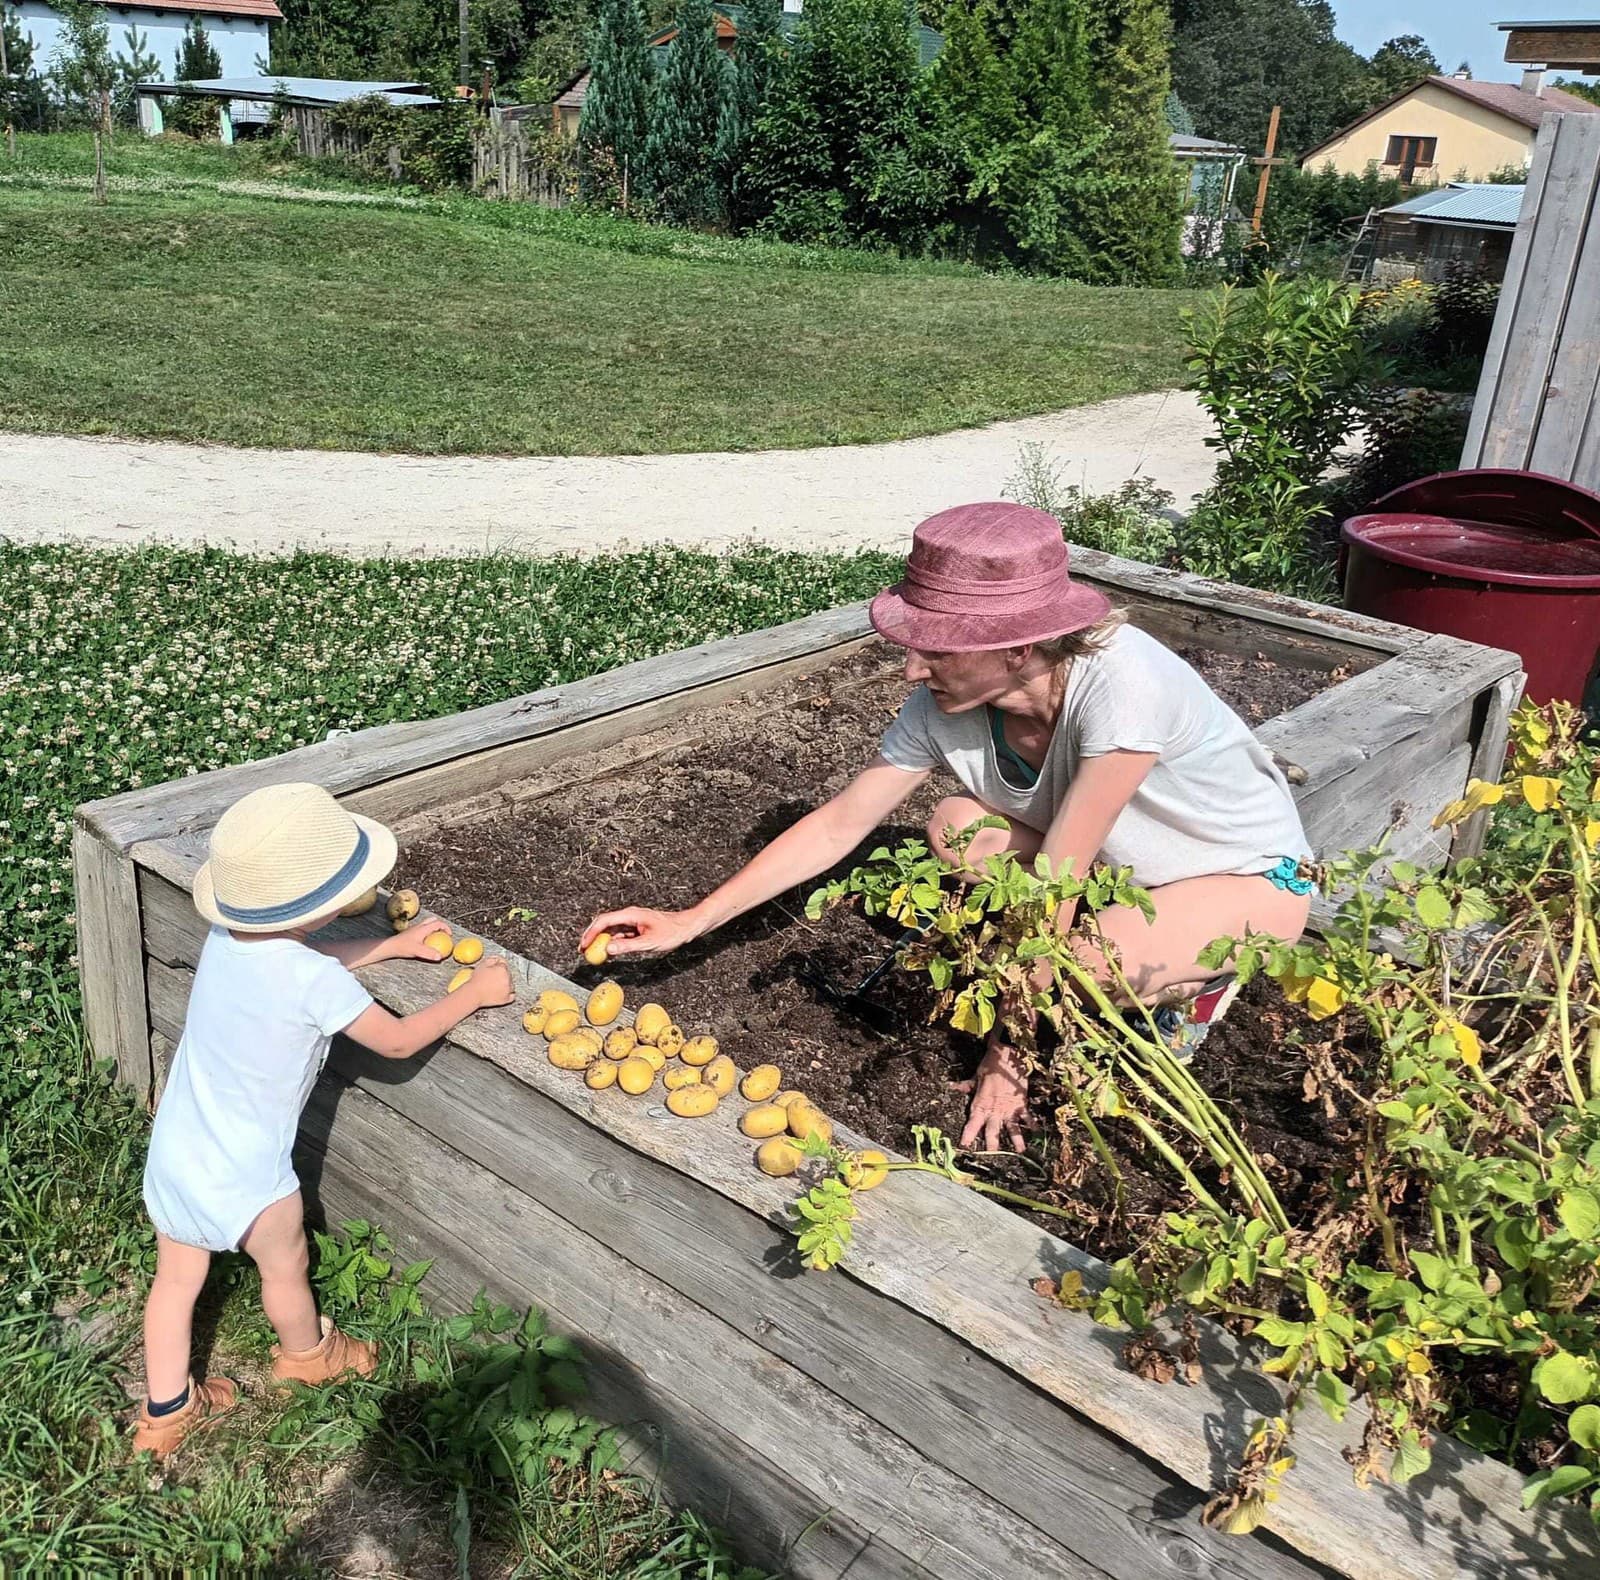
1093	740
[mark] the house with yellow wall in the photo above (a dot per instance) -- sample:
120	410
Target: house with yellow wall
1448	129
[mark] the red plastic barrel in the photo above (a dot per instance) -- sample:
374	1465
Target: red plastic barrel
1509	559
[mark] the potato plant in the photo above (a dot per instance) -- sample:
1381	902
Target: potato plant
1452	1023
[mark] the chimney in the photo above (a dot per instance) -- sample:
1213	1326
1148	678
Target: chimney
1533	81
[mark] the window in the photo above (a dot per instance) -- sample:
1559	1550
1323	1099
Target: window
1411	153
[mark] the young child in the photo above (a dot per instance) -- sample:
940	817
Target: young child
266	1004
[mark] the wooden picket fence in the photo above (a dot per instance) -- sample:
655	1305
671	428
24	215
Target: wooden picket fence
505	165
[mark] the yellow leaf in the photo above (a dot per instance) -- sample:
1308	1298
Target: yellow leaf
1452	812
1591	832
965	1017
1466	1040
1481	793
1295	986
1418	1364
1541	792
1395	1348
1324	998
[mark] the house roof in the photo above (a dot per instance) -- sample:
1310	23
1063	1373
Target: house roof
1505	98
300	90
1476	203
267	10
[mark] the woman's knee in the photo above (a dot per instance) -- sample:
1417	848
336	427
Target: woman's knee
953	814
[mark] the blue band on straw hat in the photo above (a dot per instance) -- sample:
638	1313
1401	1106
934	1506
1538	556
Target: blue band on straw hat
307	905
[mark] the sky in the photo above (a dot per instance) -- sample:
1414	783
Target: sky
1455	30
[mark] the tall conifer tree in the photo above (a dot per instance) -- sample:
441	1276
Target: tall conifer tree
685	113
615	119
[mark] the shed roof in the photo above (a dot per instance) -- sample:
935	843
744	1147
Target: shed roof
267	10
300	90
1476	203
1186	144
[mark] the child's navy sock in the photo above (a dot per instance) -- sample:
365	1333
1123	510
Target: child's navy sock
171	1407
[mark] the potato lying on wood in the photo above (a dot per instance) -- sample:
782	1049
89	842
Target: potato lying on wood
533	1021
670	1041
469	951
805	1121
692	1102
402	908
761	1083
784	1098
604	1005
636	1076
654	1057
361	904
697	1050
599	1076
779	1157
765	1120
650	1021
553	999
865	1169
680	1075
559	1022
571	1053
621	1042
720	1075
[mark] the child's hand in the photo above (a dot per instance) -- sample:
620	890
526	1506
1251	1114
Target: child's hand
490	984
413	943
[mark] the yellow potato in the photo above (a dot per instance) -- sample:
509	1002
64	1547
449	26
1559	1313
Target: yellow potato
571	1053
654	1057
805	1121
783	1099
779	1156
553	999
671	1041
604	1005
589	1035
460	979
361	904
765	1120
560	1021
697	1050
692	1102
761	1083
866	1169
650	1022
680	1075
621	1043
635	1076
533	1021
469	951
599	1076
442	941
599	948
721	1075
403	906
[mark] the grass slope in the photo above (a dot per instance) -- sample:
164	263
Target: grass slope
121	670
183	310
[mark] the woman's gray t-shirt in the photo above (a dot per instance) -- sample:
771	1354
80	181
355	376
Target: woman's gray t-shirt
1214	802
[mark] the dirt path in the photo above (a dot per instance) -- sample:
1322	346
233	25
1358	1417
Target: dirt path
108	491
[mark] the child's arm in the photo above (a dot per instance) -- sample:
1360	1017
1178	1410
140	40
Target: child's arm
400	1036
353	953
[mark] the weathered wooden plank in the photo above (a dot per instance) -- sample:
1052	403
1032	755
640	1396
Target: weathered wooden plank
692	1461
167	991
110	957
1488	756
526	1253
1080	1487
968	1265
1475	448
368	757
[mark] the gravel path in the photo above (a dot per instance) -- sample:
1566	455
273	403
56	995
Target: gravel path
109	491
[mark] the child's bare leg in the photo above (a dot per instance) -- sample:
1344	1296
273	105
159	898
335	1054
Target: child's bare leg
169	1316
276	1242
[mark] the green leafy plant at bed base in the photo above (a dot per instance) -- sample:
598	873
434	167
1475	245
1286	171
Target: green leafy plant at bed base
1469	1063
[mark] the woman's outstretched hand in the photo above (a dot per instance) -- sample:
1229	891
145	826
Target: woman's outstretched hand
637	930
999	1110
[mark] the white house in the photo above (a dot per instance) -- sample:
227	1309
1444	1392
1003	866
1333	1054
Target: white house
237	30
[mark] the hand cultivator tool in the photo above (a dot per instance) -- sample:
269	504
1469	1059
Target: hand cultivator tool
853	1000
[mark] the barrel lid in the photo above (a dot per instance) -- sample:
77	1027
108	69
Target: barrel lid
1513	528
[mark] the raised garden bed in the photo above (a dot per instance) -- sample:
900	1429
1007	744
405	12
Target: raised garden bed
922	1411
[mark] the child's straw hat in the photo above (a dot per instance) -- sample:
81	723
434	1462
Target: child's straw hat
286	854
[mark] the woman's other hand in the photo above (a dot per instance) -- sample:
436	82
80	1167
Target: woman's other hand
637	930
999	1110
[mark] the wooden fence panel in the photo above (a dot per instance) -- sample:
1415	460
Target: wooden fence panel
1541	374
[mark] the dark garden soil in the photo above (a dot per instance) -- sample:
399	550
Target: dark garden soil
665	818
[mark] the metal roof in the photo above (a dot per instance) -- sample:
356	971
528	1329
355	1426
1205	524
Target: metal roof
1573	26
1183	143
300	90
1464	203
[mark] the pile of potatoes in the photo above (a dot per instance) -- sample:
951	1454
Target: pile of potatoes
696	1076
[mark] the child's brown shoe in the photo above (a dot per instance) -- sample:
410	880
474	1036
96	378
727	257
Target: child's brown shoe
338	1355
160	1434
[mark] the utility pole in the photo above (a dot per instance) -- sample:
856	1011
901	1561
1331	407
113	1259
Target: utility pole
5	86
465	76
1265	165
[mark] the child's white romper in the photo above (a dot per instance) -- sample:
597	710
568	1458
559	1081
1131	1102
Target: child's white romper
262	1016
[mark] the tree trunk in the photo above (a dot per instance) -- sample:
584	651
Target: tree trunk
99	169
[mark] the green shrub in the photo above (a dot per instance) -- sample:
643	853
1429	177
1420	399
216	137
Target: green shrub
1131	521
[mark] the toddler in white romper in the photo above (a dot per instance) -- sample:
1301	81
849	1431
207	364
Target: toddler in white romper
263	1012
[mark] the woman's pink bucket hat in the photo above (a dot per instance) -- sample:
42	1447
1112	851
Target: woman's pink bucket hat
982	577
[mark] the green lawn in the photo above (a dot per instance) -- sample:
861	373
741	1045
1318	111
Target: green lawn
264	655
185	310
